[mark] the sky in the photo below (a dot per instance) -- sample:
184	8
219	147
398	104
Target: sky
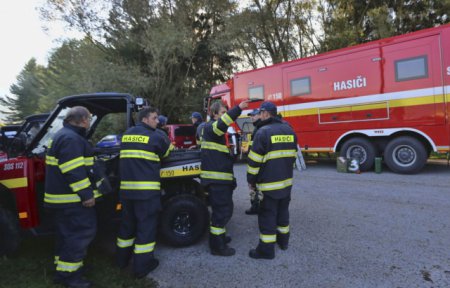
22	37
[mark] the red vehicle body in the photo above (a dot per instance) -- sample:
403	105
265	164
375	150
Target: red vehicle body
386	98
182	135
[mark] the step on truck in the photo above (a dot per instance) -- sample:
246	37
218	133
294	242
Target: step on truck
388	98
183	219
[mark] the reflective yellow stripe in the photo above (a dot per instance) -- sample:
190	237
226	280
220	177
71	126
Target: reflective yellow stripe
171	147
215	146
72	164
216	175
140	185
56	259
274	185
255	157
271	238
89	161
279	154
252	170
61	198
15	183
226	119
50	160
217	130
97	194
283	229
144	248
80	185
217	230
68	266
140	154
125	243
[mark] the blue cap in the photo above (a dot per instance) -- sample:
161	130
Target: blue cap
162	120
268	106
197	115
254	112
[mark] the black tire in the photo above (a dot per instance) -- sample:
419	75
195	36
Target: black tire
184	220
405	155
361	149
9	232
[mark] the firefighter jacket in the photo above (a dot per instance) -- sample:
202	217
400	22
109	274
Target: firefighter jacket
141	151
256	125
69	162
217	162
271	158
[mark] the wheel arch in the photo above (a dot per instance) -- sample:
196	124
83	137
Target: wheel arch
387	134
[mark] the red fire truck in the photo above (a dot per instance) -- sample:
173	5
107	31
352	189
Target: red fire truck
387	98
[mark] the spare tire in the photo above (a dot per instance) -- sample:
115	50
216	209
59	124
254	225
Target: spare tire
9	232
184	220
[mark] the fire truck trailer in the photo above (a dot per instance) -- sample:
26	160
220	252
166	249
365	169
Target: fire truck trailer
387	98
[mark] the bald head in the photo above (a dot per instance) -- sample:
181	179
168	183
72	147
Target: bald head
78	116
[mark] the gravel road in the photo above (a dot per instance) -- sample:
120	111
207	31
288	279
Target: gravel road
347	230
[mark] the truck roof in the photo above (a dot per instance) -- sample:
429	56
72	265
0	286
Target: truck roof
367	45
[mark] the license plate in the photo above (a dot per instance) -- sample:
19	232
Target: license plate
187	142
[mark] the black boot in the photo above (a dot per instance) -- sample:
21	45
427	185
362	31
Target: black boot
263	251
254	209
227	239
151	266
218	246
283	240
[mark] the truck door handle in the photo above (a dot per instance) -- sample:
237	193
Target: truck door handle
369	115
334	117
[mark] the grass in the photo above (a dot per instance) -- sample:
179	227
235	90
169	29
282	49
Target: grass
32	266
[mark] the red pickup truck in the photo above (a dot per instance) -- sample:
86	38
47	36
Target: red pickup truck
182	136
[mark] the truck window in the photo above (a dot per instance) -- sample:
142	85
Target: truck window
301	86
411	68
256	92
184	131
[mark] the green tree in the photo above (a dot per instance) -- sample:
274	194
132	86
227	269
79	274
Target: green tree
26	93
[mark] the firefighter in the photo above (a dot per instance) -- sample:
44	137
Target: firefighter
270	170
162	124
197	121
71	196
217	174
141	150
254	198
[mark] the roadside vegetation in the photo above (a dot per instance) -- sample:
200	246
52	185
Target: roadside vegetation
32	266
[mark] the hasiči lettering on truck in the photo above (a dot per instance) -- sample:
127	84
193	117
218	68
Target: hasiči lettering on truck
388	98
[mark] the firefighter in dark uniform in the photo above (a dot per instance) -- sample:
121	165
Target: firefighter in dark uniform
254	198
71	196
270	170
217	174
141	151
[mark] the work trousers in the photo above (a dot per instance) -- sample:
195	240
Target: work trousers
221	200
75	229
137	233
273	214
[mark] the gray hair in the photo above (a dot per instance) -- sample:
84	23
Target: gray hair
76	115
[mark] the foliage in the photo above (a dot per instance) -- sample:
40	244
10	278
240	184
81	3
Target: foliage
26	91
173	51
34	264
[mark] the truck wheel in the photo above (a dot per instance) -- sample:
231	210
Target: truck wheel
184	220
405	155
9	232
361	149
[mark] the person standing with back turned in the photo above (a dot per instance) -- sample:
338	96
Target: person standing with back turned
217	174
140	193
270	170
71	195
